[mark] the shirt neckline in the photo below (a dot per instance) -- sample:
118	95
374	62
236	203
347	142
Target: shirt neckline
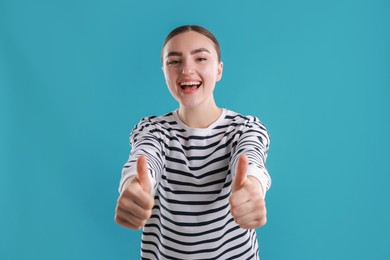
192	129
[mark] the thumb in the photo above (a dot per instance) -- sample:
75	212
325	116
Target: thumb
242	167
142	173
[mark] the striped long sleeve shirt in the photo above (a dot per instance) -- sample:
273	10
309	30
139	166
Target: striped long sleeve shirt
191	171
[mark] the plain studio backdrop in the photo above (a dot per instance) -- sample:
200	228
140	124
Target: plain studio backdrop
75	76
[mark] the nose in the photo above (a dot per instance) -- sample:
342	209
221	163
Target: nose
187	68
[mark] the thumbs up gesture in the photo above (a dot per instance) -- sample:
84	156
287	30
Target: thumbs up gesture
135	203
247	205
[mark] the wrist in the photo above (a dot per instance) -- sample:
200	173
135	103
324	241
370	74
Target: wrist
257	184
127	182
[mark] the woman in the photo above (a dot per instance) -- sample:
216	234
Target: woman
196	177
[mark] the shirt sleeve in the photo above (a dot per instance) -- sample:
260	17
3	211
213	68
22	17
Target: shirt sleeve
253	142
145	139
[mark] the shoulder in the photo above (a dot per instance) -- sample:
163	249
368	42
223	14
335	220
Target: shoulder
248	125
152	122
155	125
240	120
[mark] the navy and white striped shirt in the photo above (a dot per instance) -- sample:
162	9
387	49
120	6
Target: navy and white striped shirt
191	171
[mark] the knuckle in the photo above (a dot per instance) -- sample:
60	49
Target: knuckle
232	201
260	205
149	214
145	214
139	223
119	220
263	221
130	191
254	192
116	218
150	203
122	203
233	211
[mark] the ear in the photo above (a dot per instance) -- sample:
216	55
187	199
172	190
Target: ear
219	71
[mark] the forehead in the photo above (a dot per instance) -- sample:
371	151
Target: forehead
189	41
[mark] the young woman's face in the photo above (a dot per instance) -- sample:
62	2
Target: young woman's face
191	69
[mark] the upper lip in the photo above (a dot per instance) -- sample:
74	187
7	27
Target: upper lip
183	81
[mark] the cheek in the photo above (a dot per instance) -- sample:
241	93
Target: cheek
171	84
168	80
211	72
170	75
211	76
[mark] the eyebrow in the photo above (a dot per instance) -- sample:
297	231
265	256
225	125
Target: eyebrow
177	53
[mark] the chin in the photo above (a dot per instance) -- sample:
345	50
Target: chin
189	105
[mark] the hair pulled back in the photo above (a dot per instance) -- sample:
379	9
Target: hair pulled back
198	29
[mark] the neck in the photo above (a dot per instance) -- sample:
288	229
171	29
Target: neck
199	117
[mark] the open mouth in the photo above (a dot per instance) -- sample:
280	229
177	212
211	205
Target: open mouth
190	86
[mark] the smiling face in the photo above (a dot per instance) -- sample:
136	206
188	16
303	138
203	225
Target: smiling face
191	69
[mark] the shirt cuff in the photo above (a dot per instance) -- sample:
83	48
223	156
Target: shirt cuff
130	172
260	175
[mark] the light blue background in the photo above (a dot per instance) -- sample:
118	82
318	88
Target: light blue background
75	77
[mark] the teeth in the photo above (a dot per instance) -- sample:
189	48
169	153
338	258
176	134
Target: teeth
190	83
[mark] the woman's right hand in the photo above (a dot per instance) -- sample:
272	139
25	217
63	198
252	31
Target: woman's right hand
135	203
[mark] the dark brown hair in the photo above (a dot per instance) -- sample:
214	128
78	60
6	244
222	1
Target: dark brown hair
198	29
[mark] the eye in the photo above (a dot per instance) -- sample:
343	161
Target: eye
172	62
201	59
